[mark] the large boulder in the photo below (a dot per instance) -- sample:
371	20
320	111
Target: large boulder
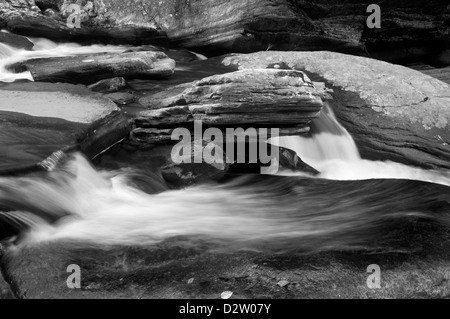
26	17
40	119
237	99
411	30
87	69
401	235
414	29
393	112
442	74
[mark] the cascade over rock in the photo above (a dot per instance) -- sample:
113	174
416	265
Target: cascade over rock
392	112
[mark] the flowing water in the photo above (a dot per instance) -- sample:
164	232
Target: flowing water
332	151
353	203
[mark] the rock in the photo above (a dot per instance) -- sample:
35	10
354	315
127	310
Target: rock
249	97
15	41
412	252
25	18
51	13
5	291
49	4
158	159
415	29
442	74
121	98
410	29
289	160
147	136
109	85
60	117
190	173
393	112
86	69
283	283
150	136
226	295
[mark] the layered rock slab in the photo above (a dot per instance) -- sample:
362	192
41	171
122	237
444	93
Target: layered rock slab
243	98
87	69
39	119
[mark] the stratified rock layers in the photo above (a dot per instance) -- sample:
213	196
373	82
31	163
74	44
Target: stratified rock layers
243	98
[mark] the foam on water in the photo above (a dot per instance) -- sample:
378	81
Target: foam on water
331	150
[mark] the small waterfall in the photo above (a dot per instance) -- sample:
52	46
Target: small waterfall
331	150
44	48
328	141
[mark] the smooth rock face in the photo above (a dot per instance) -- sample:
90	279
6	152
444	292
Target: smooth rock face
27	18
249	97
38	119
393	112
16	41
87	69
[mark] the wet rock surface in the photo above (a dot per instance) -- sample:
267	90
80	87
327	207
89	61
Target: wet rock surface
16	41
61	117
88	69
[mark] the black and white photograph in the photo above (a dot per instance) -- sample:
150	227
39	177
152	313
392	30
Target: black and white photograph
224	155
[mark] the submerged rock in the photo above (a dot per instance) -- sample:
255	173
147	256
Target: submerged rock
59	117
87	69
